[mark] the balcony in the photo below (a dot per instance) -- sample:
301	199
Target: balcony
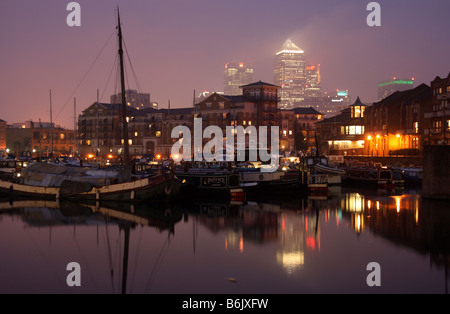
443	96
432	131
436	114
412	131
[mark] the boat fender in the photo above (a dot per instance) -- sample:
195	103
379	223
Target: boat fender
20	180
261	177
11	189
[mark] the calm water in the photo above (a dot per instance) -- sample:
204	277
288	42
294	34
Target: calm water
283	246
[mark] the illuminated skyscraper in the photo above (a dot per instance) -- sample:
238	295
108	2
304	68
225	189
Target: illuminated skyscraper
290	75
389	87
236	75
313	88
135	99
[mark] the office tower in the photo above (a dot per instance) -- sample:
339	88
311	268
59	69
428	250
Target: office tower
389	87
290	75
236	75
135	99
313	88
335	101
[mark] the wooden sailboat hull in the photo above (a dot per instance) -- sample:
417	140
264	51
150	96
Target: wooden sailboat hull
155	187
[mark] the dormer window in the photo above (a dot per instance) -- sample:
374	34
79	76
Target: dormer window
358	111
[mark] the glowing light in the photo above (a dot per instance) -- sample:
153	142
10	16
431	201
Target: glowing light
398	135
369	137
378	136
290	51
158	156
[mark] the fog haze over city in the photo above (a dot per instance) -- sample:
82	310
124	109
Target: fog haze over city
176	47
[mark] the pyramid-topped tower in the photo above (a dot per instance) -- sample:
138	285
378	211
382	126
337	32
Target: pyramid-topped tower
290	47
290	75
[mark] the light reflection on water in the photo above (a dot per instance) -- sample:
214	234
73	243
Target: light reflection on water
269	246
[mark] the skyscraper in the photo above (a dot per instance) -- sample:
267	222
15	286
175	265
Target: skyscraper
313	87
236	75
135	99
290	75
389	87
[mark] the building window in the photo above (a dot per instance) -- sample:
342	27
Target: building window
415	142
358	112
416	127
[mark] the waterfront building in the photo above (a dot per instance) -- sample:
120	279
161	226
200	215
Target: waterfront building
265	99
437	114
389	87
236	74
290	75
395	125
2	136
343	134
297	125
162	122
256	106
39	139
149	130
205	94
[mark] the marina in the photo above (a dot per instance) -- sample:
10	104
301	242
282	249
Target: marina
188	149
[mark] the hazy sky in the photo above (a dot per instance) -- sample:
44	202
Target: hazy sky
178	46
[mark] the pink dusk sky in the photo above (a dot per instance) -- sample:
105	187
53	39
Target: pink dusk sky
178	46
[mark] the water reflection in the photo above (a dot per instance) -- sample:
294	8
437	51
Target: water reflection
299	236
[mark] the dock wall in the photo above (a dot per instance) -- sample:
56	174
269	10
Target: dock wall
436	172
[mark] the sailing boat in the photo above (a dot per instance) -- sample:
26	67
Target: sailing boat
59	182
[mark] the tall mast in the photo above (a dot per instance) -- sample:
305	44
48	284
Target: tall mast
98	125
51	127
75	141
126	152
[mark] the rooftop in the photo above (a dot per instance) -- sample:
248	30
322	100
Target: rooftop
289	47
259	83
